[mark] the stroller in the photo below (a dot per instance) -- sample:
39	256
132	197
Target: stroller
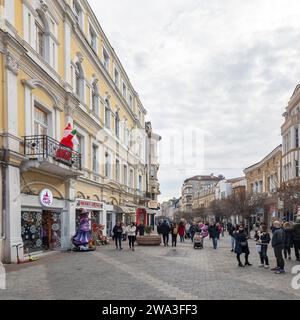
198	240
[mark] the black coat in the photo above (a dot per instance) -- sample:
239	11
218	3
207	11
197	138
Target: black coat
288	238
278	238
213	231
241	243
296	232
164	228
117	230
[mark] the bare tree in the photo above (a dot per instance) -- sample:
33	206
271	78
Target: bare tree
289	193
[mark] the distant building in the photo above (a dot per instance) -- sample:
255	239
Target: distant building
194	185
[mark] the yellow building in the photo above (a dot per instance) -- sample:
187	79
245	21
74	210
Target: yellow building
265	177
58	67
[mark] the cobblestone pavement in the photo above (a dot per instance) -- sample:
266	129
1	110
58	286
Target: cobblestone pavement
149	273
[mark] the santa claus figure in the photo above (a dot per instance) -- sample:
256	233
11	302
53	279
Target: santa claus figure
66	145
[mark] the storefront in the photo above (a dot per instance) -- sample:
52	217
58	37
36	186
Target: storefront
96	212
42	222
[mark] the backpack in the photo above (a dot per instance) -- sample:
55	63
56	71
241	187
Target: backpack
175	230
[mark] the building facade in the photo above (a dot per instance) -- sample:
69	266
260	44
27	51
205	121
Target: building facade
193	185
290	138
57	67
265	177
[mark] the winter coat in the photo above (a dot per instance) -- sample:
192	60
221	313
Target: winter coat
117	231
241	243
288	238
213	231
164	228
296	232
192	229
181	230
278	238
131	231
263	238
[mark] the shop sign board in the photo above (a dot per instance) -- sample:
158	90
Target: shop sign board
89	204
46	198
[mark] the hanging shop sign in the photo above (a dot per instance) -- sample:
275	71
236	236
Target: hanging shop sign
46	198
152	204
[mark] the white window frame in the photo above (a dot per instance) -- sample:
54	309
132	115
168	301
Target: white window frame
117	83
124	94
77	4
92	30
108	170
96	167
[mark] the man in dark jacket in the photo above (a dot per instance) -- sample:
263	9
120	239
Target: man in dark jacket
214	234
296	239
165	230
278	246
117	232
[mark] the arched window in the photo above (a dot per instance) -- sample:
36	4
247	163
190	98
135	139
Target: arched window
117	125
107	114
79	80
42	35
95	98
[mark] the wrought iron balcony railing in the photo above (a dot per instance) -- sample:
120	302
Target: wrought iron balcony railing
46	147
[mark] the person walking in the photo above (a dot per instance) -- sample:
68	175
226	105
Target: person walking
165	230
192	231
181	231
241	246
288	240
214	234
296	239
262	241
278	246
187	230
117	233
231	230
174	233
131	233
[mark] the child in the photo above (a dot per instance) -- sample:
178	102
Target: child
263	239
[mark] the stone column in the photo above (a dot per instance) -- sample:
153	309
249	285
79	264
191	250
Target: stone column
70	214
12	209
12	69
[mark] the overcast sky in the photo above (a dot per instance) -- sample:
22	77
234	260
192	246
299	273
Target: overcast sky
214	75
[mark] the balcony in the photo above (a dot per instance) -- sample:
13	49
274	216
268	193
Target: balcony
47	154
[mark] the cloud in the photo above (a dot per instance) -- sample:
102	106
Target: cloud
227	68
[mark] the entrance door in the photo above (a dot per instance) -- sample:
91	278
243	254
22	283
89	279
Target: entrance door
51	230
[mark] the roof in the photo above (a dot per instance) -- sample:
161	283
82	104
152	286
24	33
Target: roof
204	177
233	180
270	155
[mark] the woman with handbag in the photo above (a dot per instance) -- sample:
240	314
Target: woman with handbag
241	246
